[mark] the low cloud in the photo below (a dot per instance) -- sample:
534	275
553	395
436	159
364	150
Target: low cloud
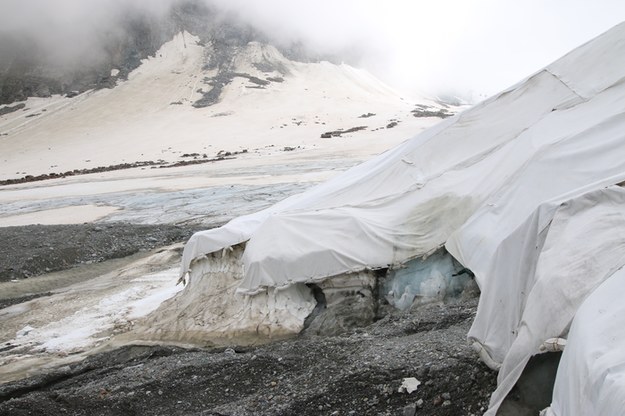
466	48
70	31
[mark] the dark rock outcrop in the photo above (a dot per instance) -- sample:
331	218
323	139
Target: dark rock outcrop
10	109
338	133
426	111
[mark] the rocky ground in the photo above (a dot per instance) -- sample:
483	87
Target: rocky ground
358	372
32	250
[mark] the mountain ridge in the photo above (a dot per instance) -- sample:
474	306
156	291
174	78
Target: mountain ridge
30	69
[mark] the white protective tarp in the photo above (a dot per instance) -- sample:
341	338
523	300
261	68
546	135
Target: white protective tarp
541	138
531	290
544	269
402	204
491	184
591	375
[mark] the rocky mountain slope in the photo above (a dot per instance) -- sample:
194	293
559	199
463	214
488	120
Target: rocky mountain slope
27	69
30	69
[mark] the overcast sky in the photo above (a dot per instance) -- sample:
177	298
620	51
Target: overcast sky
471	47
467	47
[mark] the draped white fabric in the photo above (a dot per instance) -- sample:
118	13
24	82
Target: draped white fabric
591	375
522	189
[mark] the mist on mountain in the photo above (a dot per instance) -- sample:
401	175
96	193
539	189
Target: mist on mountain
70	46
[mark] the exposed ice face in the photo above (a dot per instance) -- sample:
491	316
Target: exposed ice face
210	312
436	277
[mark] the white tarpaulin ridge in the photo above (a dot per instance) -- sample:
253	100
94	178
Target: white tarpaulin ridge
520	189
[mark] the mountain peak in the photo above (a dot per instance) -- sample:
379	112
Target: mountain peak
31	67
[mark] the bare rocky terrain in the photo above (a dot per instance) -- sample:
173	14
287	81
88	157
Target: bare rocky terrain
32	250
357	372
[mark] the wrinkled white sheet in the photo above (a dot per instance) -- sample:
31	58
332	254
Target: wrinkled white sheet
544	269
403	204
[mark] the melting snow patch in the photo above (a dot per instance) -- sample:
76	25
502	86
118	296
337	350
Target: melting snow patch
96	322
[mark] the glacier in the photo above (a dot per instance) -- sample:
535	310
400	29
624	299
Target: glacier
525	190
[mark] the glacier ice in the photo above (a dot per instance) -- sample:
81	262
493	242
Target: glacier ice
436	277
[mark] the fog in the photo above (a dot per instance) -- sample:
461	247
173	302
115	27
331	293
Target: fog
471	49
70	31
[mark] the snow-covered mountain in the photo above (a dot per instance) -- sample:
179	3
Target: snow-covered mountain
81	57
193	81
177	102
